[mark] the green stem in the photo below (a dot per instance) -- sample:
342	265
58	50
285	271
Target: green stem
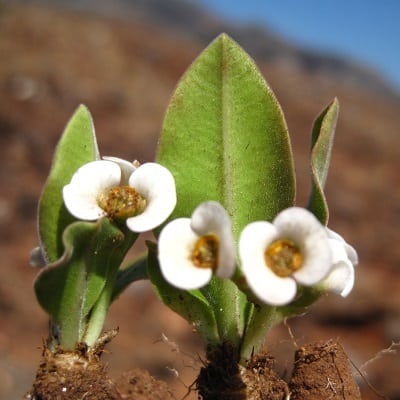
191	305
136	271
98	315
228	305
262	319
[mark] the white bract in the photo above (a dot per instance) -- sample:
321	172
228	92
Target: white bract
142	195
344	257
37	259
191	250
275	256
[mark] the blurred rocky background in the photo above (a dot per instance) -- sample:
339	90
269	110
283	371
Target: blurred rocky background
123	60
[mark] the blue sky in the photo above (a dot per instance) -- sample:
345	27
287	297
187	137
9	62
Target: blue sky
365	30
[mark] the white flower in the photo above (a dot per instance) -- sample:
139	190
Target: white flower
344	257
127	167
190	250
275	256
144	196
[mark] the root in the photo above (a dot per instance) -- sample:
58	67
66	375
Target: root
393	349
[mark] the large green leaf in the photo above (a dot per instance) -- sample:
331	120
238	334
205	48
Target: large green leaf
69	288
321	146
224	138
189	304
76	147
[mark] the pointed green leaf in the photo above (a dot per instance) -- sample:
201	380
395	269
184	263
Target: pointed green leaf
69	288
76	147
189	304
321	146
225	138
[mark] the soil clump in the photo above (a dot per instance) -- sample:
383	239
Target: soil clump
323	371
80	374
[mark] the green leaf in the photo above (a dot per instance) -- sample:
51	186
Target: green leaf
69	288
189	304
321	147
76	147
135	271
224	138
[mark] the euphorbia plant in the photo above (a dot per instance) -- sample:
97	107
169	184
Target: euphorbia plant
90	214
241	256
232	253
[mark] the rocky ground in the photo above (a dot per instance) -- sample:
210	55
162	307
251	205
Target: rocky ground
125	73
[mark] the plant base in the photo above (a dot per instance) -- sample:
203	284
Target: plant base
71	376
321	371
79	374
223	378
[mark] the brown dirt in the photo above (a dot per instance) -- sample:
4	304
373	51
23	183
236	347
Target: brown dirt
262	381
70	376
137	384
322	371
81	375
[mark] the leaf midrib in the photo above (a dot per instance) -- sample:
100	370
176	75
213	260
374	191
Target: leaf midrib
226	145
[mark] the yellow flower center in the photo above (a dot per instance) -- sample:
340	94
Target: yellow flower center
283	257
205	252
122	202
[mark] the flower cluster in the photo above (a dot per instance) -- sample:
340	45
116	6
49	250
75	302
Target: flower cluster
275	257
142	195
295	249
